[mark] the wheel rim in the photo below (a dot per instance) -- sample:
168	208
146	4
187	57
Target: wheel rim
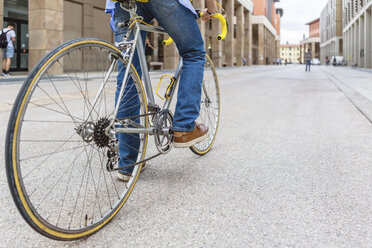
69	167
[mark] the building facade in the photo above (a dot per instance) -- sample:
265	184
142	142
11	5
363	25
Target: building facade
290	52
266	31
357	32
313	42
331	40
42	25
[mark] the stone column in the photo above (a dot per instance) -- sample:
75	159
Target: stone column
217	44
261	44
268	43
248	37
278	48
367	39
45	28
2	13
266	47
337	47
345	42
313	49
200	4
239	35
155	44
361	41
350	48
356	47
352	56
87	20
171	56
229	41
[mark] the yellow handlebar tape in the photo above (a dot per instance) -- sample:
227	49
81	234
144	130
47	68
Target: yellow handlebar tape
222	36
167	42
222	20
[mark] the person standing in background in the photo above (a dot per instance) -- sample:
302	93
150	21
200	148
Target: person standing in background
327	60
149	51
8	52
308	58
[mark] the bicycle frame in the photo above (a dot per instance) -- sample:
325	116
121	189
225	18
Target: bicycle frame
138	44
145	71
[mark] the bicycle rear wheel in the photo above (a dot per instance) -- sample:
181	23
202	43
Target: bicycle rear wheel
57	176
209	108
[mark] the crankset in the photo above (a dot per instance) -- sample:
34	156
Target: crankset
163	122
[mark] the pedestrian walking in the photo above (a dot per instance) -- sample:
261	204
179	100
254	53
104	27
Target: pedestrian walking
7	38
285	62
244	61
308	58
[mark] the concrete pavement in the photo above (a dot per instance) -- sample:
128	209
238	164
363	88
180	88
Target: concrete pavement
291	167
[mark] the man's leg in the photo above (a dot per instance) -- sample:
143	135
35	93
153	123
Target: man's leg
128	143
181	25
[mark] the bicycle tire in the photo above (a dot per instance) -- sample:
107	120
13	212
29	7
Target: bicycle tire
41	218
209	108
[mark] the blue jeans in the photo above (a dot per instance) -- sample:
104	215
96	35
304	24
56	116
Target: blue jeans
181	25
308	64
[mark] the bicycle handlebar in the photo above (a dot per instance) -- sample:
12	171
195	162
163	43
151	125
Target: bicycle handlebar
223	22
219	37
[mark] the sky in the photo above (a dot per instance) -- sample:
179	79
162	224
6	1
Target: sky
296	14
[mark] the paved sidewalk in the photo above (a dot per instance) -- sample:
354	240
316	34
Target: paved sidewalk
356	84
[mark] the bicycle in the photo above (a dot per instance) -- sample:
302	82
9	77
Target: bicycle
61	145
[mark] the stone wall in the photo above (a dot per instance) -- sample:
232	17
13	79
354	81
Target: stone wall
53	22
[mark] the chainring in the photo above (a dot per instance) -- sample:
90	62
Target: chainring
163	125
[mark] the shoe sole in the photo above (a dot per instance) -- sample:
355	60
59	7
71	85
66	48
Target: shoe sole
126	178
192	142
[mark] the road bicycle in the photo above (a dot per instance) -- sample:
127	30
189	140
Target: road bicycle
61	146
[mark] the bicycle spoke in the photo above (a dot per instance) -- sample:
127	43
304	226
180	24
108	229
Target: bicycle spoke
49	155
53	110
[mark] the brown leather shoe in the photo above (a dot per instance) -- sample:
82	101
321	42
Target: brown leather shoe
187	139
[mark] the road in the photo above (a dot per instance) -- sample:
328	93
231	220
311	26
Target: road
291	167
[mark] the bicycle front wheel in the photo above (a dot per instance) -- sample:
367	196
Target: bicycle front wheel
209	107
56	155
